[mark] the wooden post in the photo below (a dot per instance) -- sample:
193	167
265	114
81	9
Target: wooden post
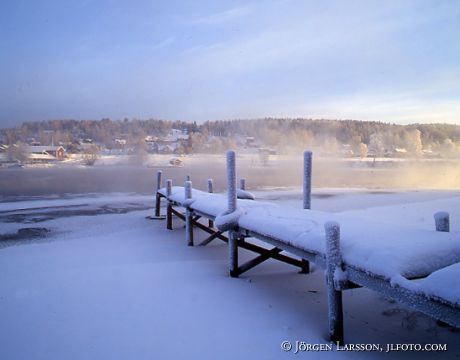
188	215
442	221
157	196
169	206
157	205
233	253
231	181
168	188
232	235
307	170
243	184
334	263
210	190
159	173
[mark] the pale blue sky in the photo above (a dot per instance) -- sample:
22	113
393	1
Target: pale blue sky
394	61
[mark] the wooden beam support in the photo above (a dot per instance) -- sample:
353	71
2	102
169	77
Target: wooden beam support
158	196
210	238
157	204
188	214
177	213
233	253
211	231
307	170
305	267
210	190
169	207
333	266
258	260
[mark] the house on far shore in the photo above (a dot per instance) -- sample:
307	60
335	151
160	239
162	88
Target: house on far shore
45	153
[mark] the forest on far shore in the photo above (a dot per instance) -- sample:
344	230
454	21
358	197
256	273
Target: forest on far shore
280	134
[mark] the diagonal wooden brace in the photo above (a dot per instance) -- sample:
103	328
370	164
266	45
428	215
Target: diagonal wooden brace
213	236
258	260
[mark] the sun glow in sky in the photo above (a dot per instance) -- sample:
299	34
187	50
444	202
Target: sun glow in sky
393	61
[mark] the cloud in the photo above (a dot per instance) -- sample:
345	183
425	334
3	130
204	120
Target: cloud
223	16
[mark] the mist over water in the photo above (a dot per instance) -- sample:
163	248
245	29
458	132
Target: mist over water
281	171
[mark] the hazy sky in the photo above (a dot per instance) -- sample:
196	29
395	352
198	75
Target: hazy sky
395	61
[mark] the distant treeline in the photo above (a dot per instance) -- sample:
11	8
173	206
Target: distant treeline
271	132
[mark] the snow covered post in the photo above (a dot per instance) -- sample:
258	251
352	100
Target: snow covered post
243	184
169	206
210	190
188	214
159	173
232	235
210	186
307	167
442	222
231	181
157	195
333	265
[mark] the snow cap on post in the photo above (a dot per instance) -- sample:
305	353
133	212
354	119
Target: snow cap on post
168	188
442	222
210	186
307	169
188	189
243	184
231	181
159	172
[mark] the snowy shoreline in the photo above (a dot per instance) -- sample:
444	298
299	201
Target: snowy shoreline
119	286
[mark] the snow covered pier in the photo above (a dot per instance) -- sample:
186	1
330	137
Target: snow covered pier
416	267
200	205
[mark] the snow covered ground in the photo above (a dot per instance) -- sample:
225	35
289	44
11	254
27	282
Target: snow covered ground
100	281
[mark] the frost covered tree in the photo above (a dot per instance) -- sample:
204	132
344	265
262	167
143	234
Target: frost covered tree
140	152
414	142
91	155
376	146
363	150
16	152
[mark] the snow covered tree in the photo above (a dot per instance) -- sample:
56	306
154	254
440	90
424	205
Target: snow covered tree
91	155
414	142
363	150
376	146
16	152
